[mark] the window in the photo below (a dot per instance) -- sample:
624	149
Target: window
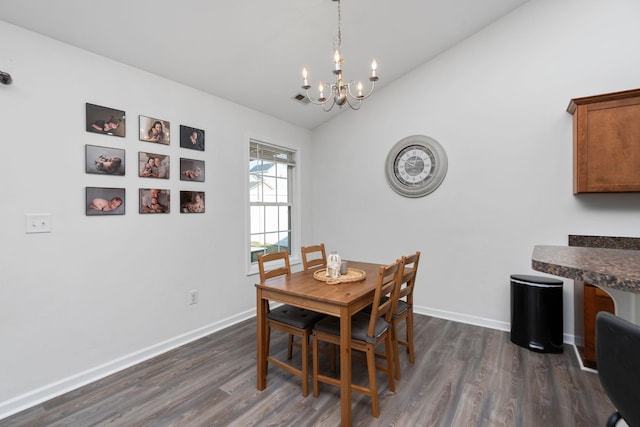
270	198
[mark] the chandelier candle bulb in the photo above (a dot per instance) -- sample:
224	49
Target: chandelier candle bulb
305	82
336	58
359	89
374	67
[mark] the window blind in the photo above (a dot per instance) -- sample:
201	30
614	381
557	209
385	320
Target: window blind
262	151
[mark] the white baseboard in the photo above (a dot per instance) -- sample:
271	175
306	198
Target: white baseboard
476	321
49	391
579	358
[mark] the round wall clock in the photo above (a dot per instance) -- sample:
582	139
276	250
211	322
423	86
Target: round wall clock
416	166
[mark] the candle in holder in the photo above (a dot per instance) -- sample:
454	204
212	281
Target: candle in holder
343	267
337	60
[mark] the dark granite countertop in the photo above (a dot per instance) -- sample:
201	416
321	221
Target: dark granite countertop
614	268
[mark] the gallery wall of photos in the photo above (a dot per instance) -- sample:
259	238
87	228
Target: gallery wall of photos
152	164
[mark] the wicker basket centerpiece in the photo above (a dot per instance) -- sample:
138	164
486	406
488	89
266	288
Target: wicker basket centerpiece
353	275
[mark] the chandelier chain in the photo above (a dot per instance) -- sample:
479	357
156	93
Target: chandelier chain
339	28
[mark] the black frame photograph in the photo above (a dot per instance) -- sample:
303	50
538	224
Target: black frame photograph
104	160
152	165
154	200
192	202
104	201
191	138
191	170
105	120
155	130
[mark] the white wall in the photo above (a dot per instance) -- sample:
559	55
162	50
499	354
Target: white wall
497	103
102	292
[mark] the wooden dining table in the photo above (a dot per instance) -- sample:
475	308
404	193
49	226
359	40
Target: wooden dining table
341	300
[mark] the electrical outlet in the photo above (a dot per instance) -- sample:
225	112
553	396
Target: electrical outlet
193	297
38	223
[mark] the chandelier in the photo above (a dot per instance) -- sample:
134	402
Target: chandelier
341	91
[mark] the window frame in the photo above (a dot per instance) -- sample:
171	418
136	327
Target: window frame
294	185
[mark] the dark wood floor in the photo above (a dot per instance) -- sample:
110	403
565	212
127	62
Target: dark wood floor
463	376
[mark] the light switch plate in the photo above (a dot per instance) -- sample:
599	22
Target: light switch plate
38	223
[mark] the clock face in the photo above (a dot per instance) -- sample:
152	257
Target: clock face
416	166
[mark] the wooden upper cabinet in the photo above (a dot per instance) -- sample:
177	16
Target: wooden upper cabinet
606	142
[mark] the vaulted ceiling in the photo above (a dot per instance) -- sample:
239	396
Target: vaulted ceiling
252	51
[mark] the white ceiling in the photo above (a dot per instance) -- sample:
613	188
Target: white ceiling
252	51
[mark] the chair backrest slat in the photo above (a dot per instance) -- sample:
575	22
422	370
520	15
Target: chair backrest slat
385	287
319	256
275	258
408	272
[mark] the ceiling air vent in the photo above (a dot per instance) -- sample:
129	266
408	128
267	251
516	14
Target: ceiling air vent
300	98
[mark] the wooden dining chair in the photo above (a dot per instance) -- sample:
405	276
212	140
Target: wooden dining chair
368	331
404	309
295	321
313	256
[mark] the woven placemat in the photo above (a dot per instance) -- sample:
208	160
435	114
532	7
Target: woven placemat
353	275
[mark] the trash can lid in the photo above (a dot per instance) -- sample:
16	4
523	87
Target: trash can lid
536	279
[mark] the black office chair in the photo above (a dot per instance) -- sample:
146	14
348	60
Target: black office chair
618	359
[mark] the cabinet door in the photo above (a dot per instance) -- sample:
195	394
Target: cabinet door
595	301
606	143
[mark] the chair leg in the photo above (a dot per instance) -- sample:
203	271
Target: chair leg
373	388
396	351
305	364
388	344
290	347
412	357
332	354
268	340
314	350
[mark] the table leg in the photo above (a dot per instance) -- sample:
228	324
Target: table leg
345	367
261	338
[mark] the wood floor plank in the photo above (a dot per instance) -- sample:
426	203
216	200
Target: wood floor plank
463	376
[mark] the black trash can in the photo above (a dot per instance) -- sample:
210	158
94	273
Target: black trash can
536	313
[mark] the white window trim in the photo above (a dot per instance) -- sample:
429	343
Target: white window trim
296	226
